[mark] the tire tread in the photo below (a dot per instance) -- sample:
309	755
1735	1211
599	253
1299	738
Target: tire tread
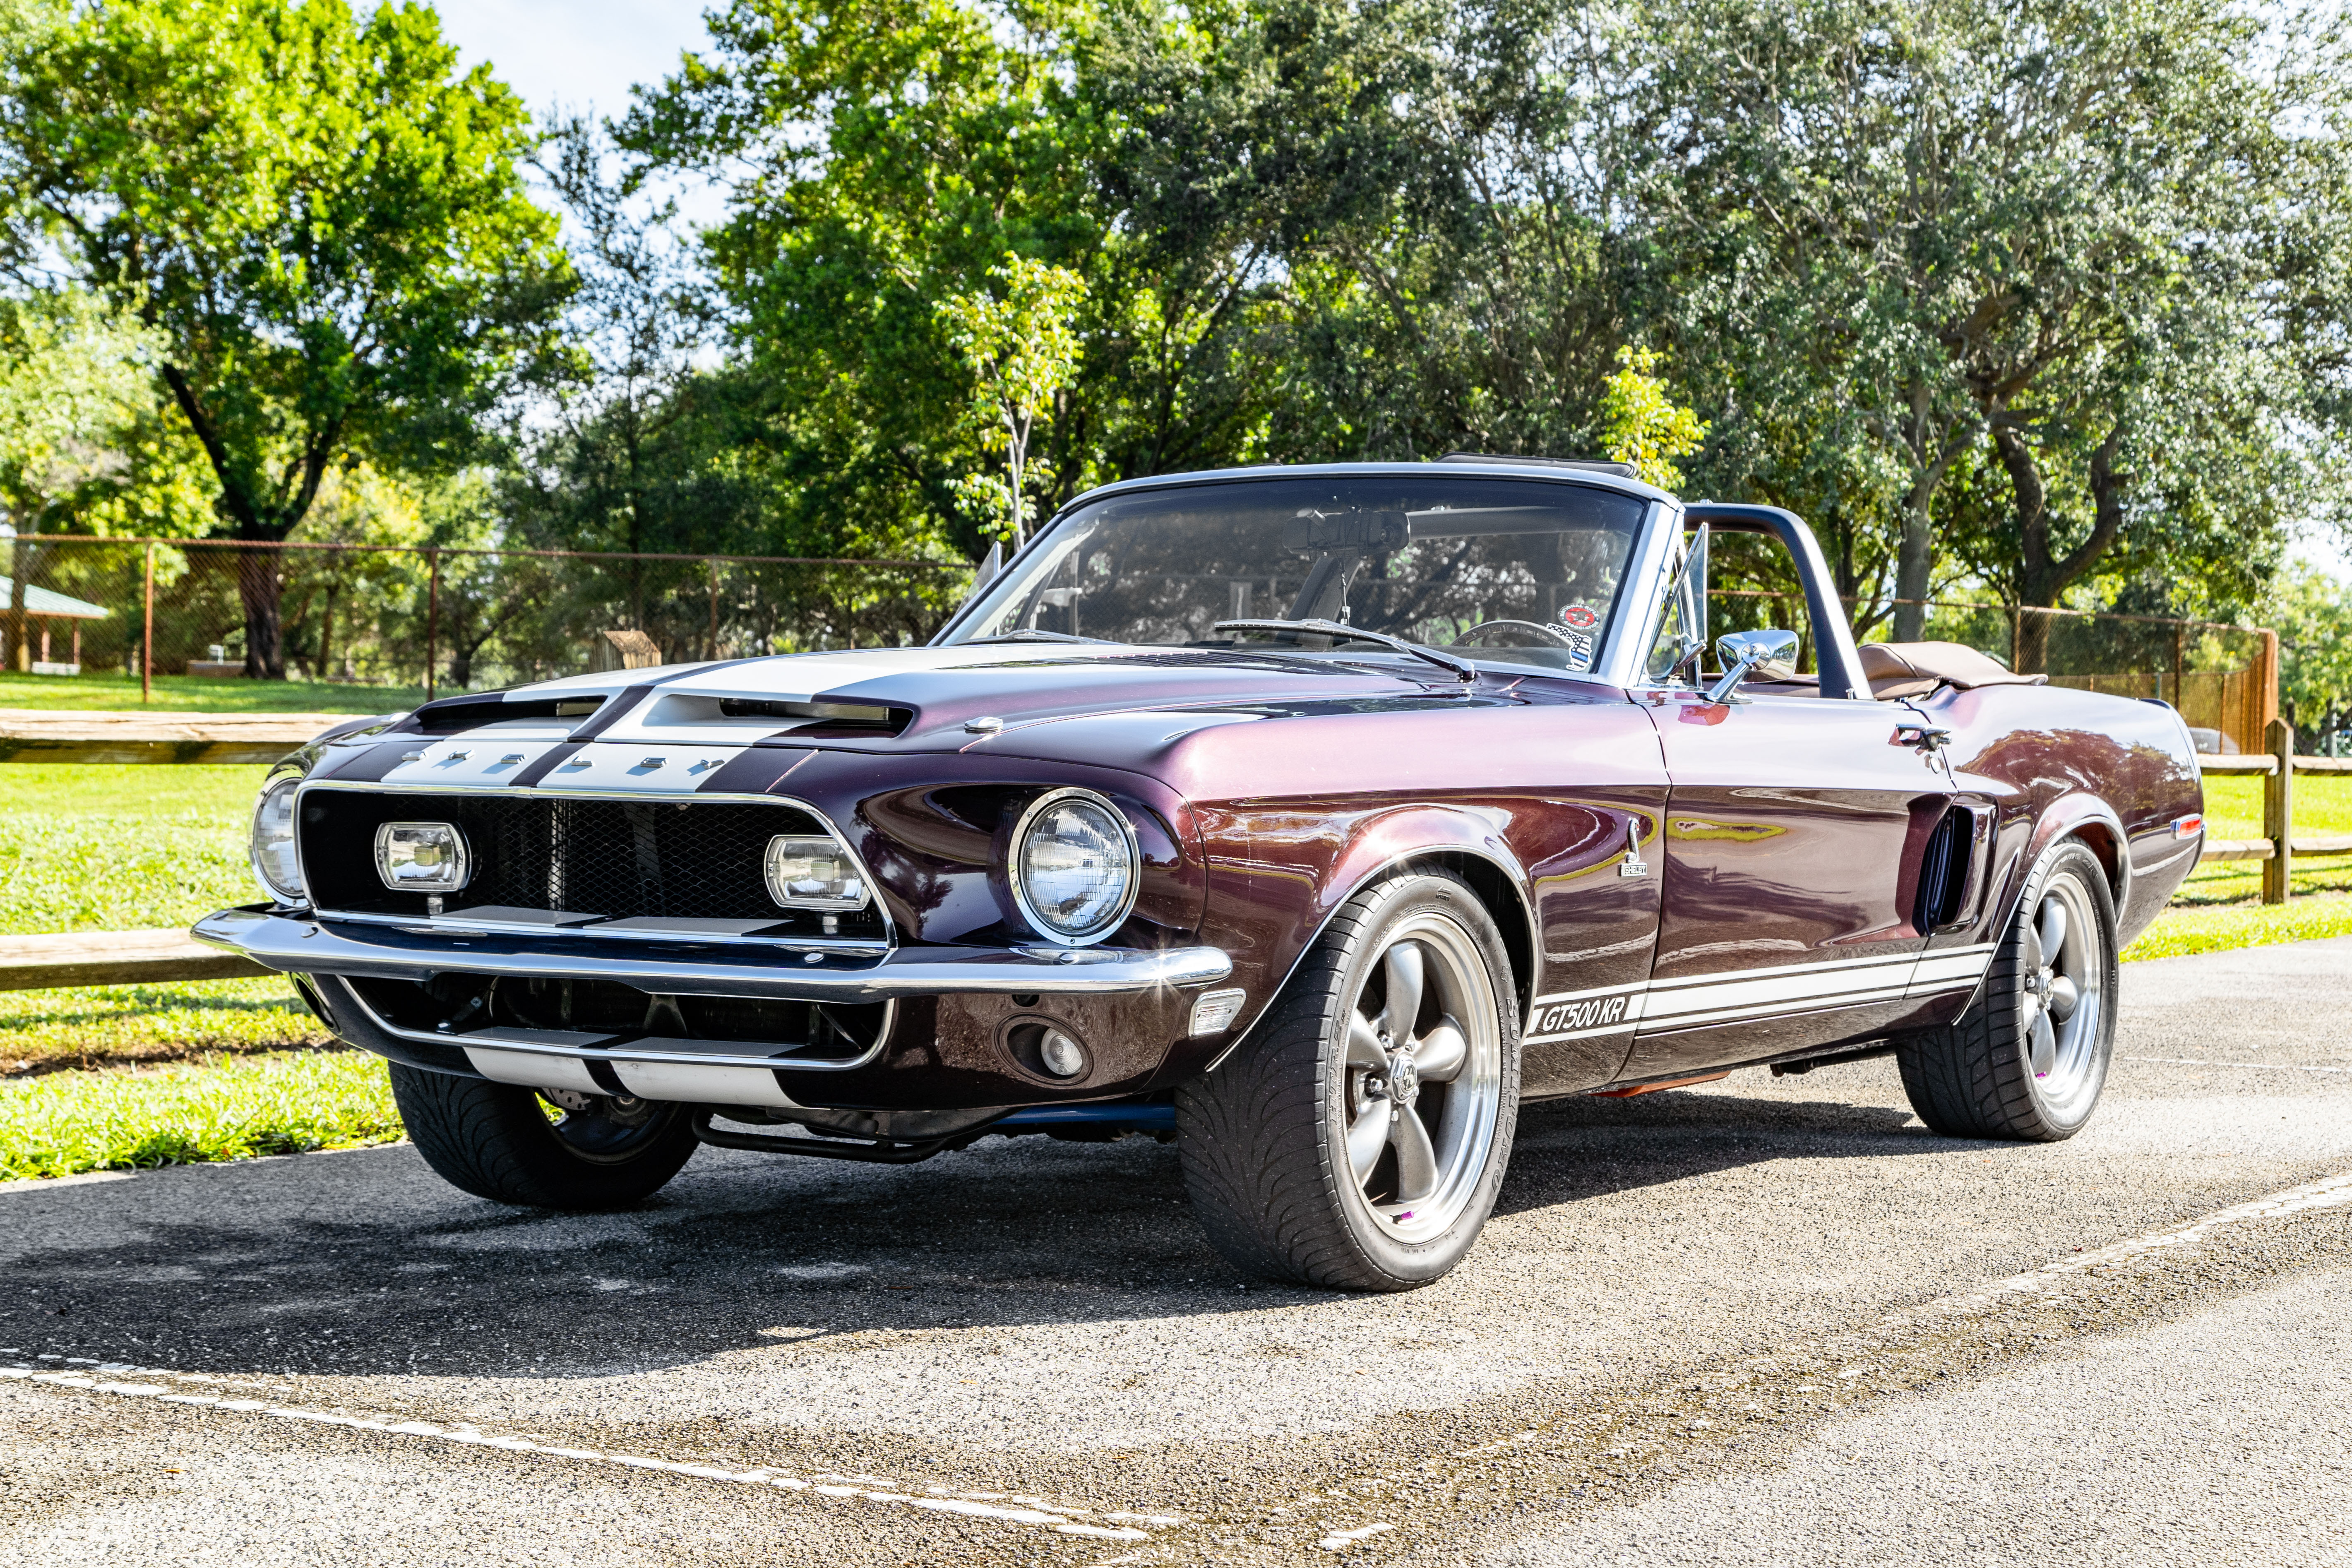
1971	1078
1258	1171
493	1140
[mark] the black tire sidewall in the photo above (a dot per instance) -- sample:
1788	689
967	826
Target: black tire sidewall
1404	1264
494	1141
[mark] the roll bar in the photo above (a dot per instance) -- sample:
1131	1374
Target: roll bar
1833	647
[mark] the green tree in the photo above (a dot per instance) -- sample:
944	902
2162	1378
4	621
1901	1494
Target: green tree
2312	614
1904	235
1640	424
882	155
320	214
1021	347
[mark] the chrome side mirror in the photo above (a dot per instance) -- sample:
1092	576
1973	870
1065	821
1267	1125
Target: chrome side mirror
1769	655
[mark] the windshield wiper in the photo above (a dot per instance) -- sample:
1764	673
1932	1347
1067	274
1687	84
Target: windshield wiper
1038	634
1463	669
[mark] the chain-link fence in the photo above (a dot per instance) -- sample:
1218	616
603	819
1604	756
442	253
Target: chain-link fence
2223	679
386	616
382	616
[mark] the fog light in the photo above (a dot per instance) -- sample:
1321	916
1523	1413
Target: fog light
1062	1056
1215	1010
421	856
813	874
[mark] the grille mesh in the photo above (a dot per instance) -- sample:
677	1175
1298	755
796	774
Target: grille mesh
609	858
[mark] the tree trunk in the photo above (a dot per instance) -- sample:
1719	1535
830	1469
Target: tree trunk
2042	576
257	587
461	656
327	635
1913	564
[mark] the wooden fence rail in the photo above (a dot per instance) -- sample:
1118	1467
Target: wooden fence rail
135	957
2278	847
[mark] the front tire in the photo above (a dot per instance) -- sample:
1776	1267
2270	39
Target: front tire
1357	1139
571	1151
2028	1057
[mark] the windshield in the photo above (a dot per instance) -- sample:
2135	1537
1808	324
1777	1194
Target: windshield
1522	570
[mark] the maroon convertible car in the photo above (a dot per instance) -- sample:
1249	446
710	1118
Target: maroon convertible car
1320	816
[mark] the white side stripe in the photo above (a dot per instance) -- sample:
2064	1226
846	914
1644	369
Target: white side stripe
1753	994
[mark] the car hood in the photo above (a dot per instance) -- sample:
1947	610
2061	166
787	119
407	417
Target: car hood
929	699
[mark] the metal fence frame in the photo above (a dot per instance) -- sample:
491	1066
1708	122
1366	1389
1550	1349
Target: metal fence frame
945	581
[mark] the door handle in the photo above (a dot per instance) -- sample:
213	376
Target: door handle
1928	738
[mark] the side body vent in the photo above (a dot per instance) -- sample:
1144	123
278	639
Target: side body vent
1948	883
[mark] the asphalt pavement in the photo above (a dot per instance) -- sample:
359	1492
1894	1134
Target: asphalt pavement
1765	1320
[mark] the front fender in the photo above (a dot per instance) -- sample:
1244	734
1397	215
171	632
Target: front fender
1278	874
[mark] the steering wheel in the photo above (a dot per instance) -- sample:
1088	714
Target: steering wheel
1521	634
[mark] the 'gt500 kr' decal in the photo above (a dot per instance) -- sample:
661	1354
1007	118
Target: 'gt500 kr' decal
1595	1012
1744	995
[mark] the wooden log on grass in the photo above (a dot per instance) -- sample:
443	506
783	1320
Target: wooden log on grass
115	958
74	735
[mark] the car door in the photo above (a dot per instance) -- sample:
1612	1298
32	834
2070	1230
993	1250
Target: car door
1795	829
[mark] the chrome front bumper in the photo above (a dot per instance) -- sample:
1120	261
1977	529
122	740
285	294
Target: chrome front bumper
300	944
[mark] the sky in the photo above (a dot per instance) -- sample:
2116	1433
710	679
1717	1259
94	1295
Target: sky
579	54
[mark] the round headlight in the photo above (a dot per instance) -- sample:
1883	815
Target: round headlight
274	862
1074	866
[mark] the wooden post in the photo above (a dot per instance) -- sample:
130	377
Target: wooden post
2265	698
711	649
2278	813
432	618
147	638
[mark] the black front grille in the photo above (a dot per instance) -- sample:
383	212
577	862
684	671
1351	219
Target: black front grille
616	858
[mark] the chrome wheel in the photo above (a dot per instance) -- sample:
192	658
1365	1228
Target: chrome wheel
2062	996
605	1130
1425	1078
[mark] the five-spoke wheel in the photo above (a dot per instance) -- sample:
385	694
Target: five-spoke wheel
2029	1057
1357	1138
1423	1076
2061	993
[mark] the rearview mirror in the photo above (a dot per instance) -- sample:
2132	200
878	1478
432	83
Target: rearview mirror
1764	655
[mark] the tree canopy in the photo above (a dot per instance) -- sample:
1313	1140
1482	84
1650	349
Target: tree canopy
2039	302
315	215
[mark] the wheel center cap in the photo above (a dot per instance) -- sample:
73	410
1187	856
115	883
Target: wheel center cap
1405	1080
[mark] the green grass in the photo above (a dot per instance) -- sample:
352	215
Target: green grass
145	790
2188	929
2233	804
41	1031
2233	809
203	694
115	848
61	1124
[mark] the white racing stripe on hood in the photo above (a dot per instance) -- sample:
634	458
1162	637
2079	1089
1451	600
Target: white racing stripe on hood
800	676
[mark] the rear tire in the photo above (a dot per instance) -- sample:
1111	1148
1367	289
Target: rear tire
1297	1153
2028	1057
496	1141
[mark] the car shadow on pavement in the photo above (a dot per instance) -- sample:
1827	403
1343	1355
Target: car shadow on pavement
364	1263
1582	1147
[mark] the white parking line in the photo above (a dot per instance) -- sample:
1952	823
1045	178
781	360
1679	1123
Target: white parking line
125	1380
2196	1062
2327	1192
